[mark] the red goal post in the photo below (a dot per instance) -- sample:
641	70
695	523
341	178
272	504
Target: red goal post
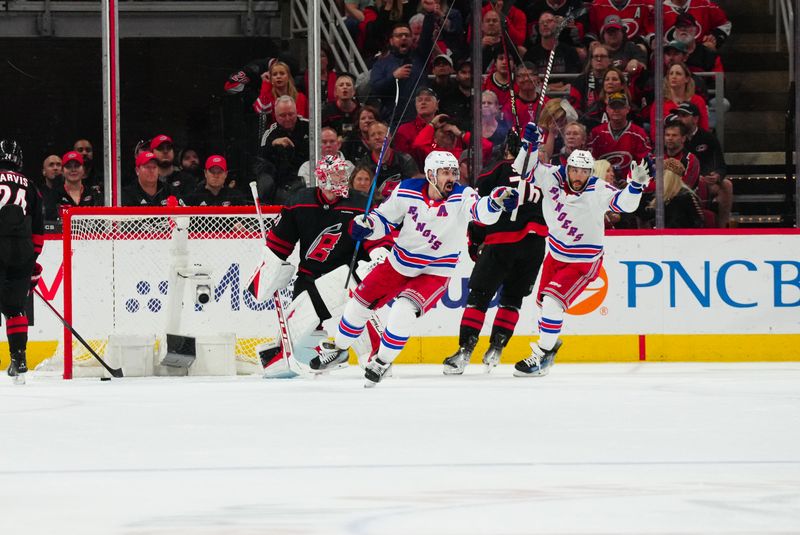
117	267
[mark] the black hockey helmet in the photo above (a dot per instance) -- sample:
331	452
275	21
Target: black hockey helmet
10	154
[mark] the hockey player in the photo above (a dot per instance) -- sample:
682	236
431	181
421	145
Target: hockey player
574	206
511	254
317	220
434	213
21	240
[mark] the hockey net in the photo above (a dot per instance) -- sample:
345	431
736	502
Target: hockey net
117	268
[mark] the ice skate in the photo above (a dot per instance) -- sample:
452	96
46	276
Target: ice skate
376	370
539	363
329	357
455	364
492	357
18	367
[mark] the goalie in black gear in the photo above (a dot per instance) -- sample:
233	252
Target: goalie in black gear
508	253
316	219
21	239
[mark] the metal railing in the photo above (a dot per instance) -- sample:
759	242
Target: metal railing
784	26
346	54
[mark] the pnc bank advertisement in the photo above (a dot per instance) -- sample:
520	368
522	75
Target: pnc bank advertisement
692	295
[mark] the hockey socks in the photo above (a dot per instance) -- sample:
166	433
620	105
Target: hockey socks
504	322
471	324
398	329
550	323
17	331
352	324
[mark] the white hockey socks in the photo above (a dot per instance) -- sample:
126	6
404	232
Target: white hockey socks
550	323
352	324
398	329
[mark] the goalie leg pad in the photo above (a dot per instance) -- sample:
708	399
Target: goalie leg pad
272	274
331	290
276	365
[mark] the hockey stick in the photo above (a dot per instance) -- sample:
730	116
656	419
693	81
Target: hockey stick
115	372
286	340
375	179
569	18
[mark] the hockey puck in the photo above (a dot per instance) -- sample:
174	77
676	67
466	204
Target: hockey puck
105	378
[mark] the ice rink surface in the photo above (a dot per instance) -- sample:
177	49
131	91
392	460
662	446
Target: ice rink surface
647	448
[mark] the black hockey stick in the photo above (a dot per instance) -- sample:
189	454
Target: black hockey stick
115	372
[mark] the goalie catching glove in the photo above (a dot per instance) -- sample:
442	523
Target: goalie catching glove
361	227
503	198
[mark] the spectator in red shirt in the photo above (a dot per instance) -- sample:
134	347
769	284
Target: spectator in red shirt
675	133
427	105
521	109
619	140
276	83
698	58
499	79
679	87
713	26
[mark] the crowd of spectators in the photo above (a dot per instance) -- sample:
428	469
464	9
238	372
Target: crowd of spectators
600	99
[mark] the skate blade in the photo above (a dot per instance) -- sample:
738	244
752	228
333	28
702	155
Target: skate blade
449	370
369	384
487	368
18	379
518	373
329	369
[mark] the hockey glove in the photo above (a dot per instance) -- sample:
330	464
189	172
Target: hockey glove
532	137
361	227
640	174
36	275
503	198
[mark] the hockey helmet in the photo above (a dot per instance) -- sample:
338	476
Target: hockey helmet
439	159
331	173
10	154
581	159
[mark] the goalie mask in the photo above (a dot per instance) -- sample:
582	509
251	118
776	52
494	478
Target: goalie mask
10	155
437	160
331	173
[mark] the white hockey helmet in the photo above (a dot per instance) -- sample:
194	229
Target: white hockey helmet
332	176
581	159
439	159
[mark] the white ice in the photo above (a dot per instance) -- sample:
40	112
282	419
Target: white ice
647	448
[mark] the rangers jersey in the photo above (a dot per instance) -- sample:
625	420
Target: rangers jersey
433	232
575	221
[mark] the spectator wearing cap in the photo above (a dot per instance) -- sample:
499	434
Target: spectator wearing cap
403	63
522	106
330	145
443	83
713	26
214	192
566	59
395	165
623	53
458	104
499	80
147	189
619	140
93	176
698	58
284	148
634	14
179	182
713	169
678	88
585	90
613	81
72	192
341	113
427	106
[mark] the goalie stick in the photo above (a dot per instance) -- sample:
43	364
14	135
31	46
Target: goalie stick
115	372
286	340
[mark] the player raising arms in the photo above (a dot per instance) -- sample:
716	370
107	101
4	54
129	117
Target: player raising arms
434	213
317	220
574	206
21	240
511	252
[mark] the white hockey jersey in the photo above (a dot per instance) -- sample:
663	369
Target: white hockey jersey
575	221
433	233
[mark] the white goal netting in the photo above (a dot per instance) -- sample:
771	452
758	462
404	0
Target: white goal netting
120	266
